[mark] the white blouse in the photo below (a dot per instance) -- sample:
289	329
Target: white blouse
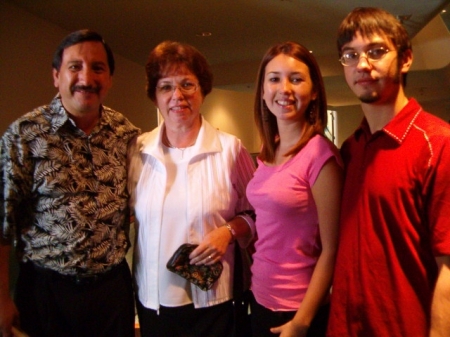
211	192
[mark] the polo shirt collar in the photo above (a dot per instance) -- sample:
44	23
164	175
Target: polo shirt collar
399	127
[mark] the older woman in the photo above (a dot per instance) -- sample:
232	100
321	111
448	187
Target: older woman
187	182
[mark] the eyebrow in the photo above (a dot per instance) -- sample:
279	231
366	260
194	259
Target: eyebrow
366	47
94	63
191	79
279	72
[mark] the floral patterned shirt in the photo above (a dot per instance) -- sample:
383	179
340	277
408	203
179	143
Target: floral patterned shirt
65	199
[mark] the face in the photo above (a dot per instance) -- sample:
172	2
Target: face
179	107
375	82
84	78
288	88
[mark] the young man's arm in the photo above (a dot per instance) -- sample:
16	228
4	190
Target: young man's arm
440	307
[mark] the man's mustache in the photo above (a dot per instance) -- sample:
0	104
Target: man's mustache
86	88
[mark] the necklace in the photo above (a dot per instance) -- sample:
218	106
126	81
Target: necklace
167	142
179	148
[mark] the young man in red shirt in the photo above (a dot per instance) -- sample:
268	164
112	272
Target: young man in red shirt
392	274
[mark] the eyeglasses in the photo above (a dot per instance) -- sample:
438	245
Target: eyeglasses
186	88
351	58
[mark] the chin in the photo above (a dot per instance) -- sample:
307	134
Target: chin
371	98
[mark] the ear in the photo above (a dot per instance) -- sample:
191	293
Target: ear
110	82
314	93
407	61
55	74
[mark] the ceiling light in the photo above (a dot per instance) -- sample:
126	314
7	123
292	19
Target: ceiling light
403	18
204	34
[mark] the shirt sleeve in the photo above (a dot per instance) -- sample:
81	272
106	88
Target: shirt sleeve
320	150
245	168
15	183
437	194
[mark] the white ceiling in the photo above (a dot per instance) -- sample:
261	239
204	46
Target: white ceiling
242	30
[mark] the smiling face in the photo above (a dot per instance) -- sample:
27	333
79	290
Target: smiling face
287	88
179	109
375	82
84	78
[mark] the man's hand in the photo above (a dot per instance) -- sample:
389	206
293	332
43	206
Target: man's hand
9	316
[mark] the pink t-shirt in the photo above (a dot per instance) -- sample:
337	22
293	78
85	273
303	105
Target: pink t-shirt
288	244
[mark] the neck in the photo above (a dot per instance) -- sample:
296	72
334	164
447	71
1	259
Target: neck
379	115
289	135
86	122
181	138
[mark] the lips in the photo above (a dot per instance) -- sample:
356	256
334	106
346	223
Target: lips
85	89
178	108
285	102
365	81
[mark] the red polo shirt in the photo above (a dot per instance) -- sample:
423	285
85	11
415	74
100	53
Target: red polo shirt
395	219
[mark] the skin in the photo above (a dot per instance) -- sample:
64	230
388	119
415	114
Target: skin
287	92
377	84
288	89
181	112
83	81
440	307
182	121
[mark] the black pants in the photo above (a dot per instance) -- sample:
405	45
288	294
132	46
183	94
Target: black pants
263	319
186	321
53	306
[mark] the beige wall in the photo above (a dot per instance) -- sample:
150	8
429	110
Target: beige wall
232	112
27	44
348	119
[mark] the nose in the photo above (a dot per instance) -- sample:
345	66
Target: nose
363	62
285	85
86	75
176	93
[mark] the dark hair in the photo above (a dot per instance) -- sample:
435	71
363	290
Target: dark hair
78	37
369	21
315	114
168	56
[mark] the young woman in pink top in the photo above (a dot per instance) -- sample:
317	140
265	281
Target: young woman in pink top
296	194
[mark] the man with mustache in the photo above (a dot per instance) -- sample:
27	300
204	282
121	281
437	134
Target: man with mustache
392	274
64	204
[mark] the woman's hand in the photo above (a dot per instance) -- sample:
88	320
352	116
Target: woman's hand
290	330
212	248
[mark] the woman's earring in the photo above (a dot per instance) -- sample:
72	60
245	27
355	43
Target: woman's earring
312	113
266	112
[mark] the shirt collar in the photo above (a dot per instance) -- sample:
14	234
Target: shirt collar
398	128
59	115
207	141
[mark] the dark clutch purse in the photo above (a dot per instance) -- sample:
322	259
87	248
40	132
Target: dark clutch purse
202	276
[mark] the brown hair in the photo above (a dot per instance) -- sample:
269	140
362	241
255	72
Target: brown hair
369	21
315	114
79	36
168	56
